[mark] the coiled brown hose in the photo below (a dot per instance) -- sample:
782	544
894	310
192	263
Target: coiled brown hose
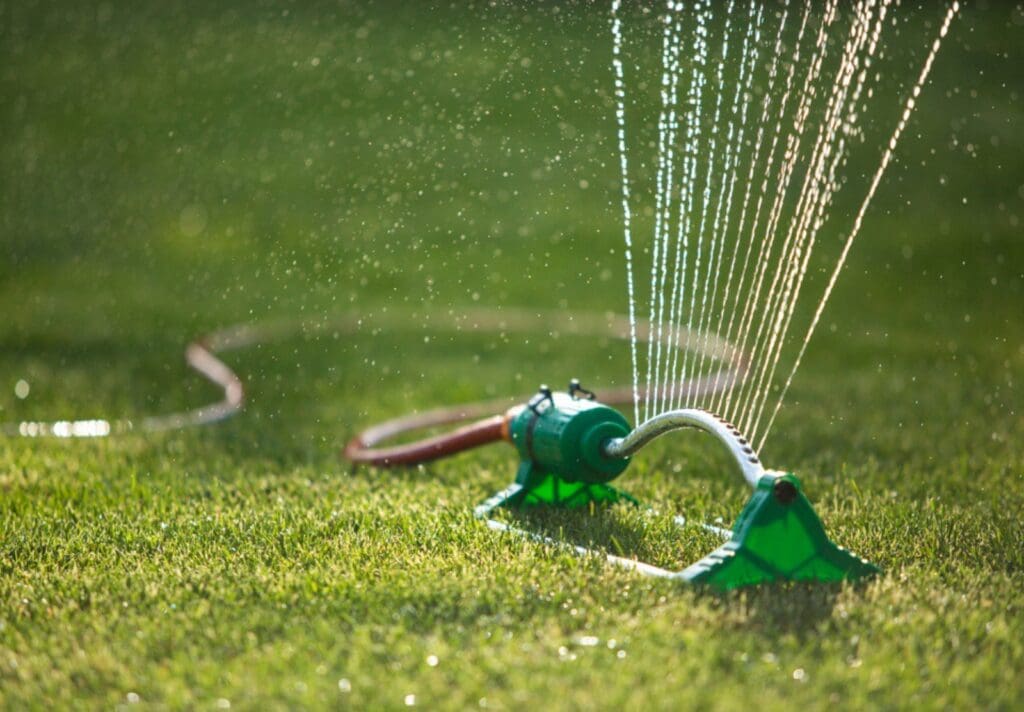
203	356
488	430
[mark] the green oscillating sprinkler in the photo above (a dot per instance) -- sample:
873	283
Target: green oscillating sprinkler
572	446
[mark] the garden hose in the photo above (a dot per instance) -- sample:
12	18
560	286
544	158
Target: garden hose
484	431
204	357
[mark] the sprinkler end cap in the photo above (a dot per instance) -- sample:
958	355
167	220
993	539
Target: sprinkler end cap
785	491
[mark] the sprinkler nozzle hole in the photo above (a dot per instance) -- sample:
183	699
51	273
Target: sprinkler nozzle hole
785	491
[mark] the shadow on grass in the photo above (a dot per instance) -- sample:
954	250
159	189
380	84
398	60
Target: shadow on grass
795	609
598	528
622	530
792	608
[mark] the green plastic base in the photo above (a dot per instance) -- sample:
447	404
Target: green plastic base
777	536
545	489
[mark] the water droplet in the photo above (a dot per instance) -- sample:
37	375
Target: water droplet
192	220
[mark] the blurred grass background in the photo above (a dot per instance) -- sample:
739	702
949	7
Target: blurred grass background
168	170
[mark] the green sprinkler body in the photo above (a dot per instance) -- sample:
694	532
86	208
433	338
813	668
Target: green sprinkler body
571	446
560	438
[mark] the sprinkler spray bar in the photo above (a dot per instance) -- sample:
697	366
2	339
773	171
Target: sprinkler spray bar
741	450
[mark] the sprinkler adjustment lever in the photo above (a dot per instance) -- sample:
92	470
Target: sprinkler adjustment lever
543	394
575	389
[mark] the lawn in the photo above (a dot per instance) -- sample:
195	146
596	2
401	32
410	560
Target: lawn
171	169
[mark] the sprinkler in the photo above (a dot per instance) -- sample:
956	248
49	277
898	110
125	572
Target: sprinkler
571	446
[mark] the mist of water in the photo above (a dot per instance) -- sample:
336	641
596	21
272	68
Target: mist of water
760	107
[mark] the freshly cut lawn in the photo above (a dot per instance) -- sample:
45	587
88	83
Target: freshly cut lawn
170	170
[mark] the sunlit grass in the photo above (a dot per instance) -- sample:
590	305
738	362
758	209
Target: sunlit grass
169	171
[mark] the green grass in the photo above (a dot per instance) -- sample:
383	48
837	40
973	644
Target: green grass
170	170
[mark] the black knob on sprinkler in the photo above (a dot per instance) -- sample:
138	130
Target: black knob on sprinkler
575	389
543	394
